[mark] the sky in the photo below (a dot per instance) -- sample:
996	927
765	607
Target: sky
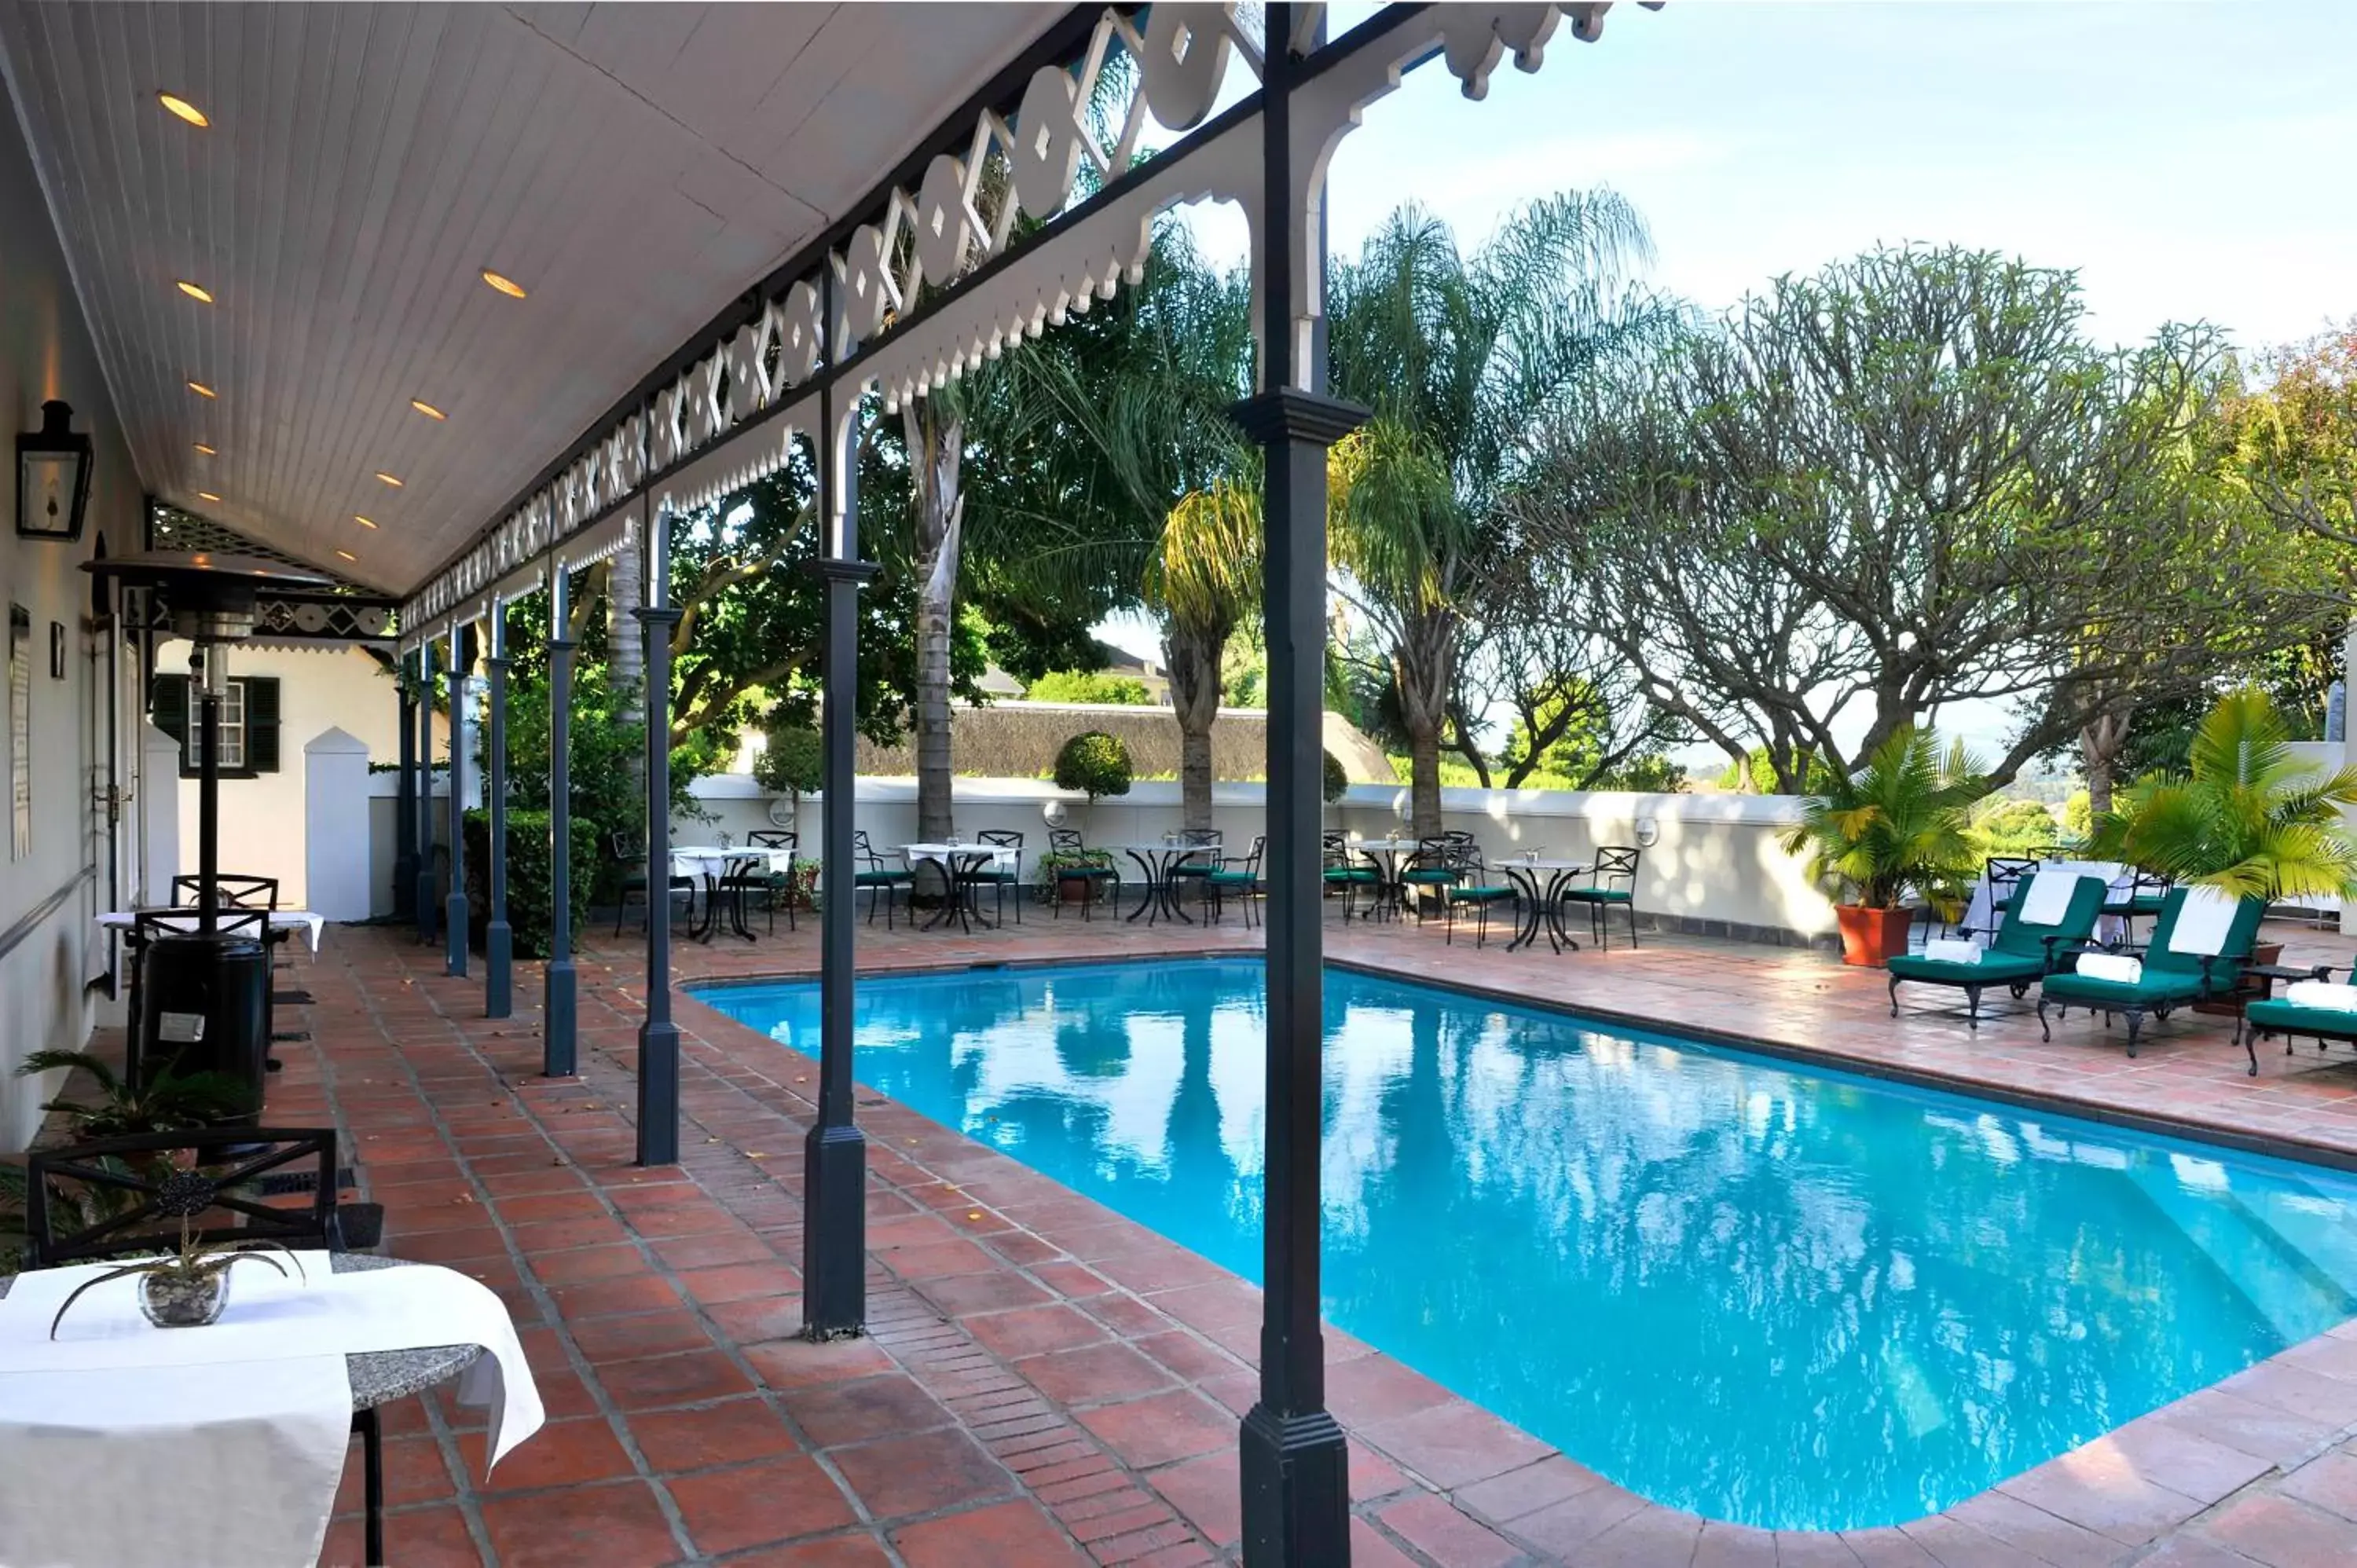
2194	160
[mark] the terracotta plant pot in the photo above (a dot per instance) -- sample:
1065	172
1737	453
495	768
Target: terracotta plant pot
1869	936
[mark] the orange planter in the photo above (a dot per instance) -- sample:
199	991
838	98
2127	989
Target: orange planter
1869	936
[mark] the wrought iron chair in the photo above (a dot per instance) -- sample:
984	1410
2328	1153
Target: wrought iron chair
874	878
2148	892
1099	875
1430	870
747	877
1342	870
237	892
996	876
1611	885
1230	879
1194	866
89	1202
634	881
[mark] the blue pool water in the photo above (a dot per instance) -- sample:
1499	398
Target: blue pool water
1785	1298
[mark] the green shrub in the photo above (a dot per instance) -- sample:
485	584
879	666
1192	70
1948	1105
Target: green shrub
1336	779
528	877
1095	763
1089	686
792	762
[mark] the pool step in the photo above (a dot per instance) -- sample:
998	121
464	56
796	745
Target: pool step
2317	1227
2297	1301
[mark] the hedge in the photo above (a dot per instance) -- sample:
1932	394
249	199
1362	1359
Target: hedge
528	878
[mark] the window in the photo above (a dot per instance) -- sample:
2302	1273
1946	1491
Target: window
248	737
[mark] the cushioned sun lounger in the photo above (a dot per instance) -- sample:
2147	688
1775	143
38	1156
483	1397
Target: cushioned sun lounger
2022	951
2192	956
2293	1015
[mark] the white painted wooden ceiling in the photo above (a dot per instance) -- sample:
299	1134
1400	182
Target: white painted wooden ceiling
633	167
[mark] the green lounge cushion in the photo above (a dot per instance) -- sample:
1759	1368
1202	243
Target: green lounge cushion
1994	969
2156	987
2290	1018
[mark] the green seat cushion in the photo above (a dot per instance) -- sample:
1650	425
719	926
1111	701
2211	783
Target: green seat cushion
1233	878
2156	987
877	878
1599	894
2289	1018
1428	878
1995	969
1351	873
1480	895
1084	871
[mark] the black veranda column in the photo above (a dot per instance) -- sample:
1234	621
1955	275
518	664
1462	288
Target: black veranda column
1294	1465
557	1010
658	1037
498	941
405	810
835	1152
212	684
424	898
455	916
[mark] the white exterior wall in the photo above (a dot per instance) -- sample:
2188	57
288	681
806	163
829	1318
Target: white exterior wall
50	948
336	686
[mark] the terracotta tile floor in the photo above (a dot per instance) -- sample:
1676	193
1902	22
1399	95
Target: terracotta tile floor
1044	1383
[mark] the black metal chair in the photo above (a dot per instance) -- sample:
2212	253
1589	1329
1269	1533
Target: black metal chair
1228	879
1342	870
1472	888
237	892
2147	891
873	877
632	859
89	1202
1097	877
747	876
1432	870
1611	885
996	876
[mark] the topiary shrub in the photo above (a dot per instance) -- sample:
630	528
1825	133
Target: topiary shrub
1095	763
792	762
1337	778
528	878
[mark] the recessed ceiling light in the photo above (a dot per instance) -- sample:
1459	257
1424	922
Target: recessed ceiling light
388	478
347	555
427	409
207	496
201	390
200	294
205	449
183	108
364	521
505	285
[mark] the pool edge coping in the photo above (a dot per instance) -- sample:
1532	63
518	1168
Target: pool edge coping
2097	1486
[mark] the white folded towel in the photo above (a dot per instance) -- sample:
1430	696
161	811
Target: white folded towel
2048	898
2202	922
1946	951
2321	994
2111	966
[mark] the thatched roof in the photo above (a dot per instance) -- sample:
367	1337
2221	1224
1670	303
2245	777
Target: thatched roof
1019	740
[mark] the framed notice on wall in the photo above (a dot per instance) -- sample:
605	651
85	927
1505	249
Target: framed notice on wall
21	732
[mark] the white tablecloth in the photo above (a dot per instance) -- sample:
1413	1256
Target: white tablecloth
123	1445
700	860
309	924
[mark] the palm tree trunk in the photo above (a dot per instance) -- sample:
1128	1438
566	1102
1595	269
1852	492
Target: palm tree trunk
935	445
1192	655
1422	670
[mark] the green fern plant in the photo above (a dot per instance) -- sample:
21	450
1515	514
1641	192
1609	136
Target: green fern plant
168	1101
1896	823
2248	817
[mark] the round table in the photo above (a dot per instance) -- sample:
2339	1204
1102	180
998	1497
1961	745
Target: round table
1384	854
1156	862
717	862
959	862
1541	906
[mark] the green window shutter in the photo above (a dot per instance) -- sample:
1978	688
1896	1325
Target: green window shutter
168	700
261	724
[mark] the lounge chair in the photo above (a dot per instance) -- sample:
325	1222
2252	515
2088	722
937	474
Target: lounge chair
2192	956
2023	950
2318	1008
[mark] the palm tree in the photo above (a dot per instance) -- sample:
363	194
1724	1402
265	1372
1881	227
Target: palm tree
1462	359
1896	823
2248	817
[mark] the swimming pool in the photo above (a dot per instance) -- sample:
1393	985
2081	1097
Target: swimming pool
1781	1297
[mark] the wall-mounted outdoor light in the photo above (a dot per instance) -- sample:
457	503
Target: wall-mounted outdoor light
52	478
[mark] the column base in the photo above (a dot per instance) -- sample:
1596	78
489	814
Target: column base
404	888
424	896
658	1093
834	1233
1296	1490
454	926
499	968
557	1015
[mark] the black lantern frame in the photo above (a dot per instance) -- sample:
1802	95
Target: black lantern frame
53	464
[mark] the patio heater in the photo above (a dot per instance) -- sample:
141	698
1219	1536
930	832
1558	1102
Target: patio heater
205	995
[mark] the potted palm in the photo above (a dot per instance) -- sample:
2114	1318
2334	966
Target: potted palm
1895	825
2247	817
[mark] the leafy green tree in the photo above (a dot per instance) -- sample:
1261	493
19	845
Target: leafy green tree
2011	827
1461	357
1089	686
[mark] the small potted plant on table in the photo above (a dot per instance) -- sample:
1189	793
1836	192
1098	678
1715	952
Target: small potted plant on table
190	1288
1896	824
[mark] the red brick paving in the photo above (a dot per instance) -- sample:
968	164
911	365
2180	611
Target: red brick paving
1044	1382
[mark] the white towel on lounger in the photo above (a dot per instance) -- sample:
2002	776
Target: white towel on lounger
2048	898
1942	950
2116	966
2321	994
2202	922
